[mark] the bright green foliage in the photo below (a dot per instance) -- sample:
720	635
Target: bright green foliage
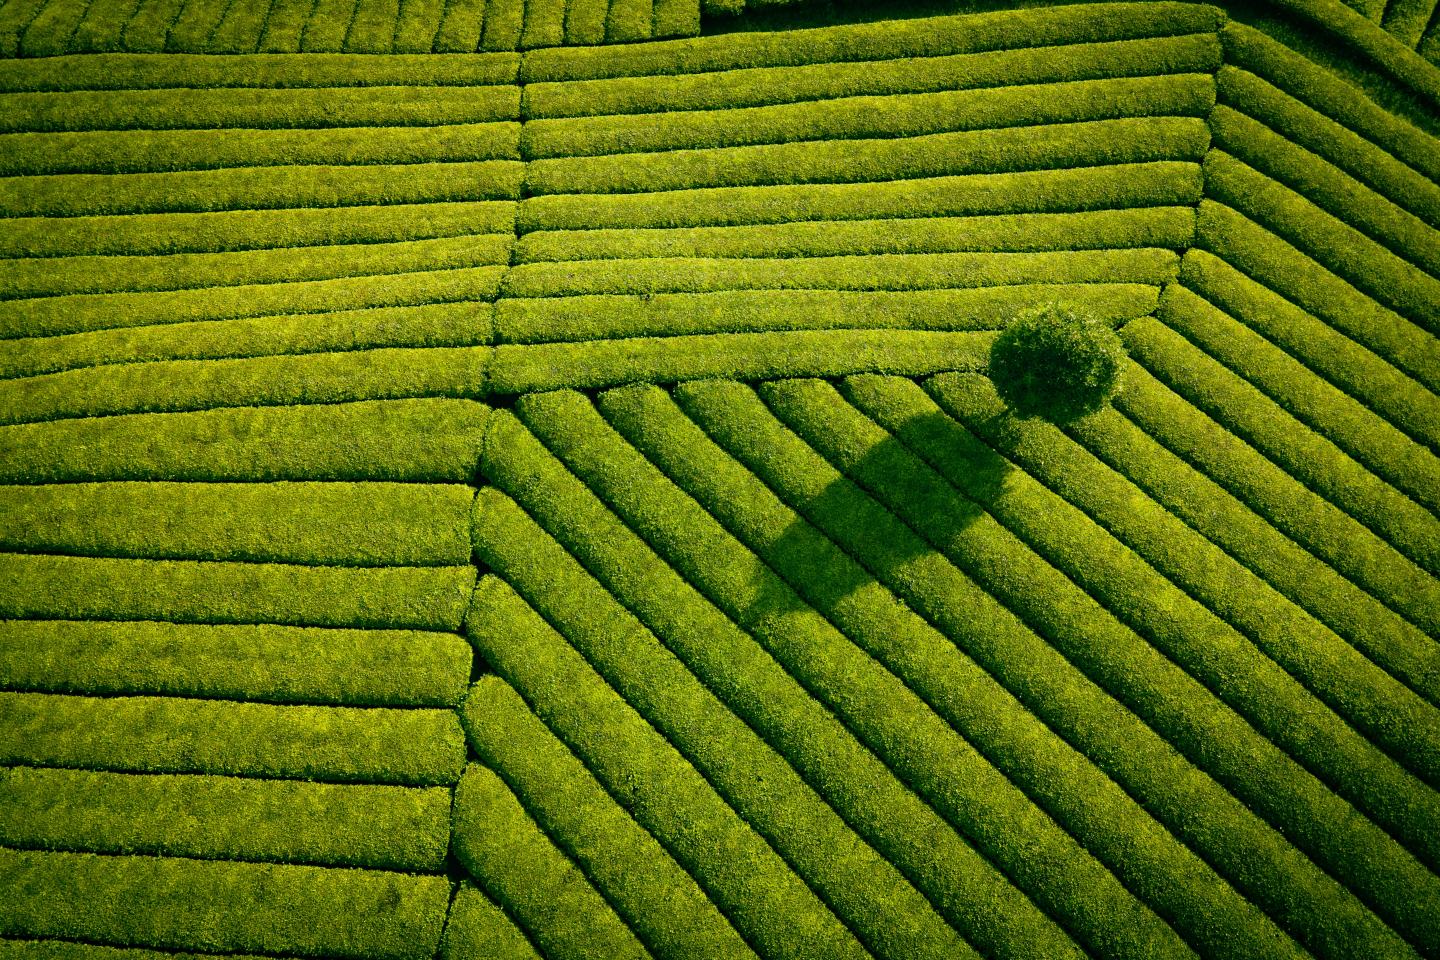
659	901
177	904
628	20
69	950
345	524
80	588
427	440
263	662
1057	364
166	735
521	868
227	818
476	929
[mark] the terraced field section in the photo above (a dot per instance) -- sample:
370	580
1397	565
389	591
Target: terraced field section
550	504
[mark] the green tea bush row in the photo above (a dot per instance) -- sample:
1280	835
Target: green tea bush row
549	319
1396	398
504	21
131	71
1092	143
88	588
345	524
1386	638
168	735
1307	518
660	901
67	276
896	115
226	818
257	108
968	891
1123	186
258	188
1364	436
428	325
584	25
629	20
180	385
264	662
416	27
164	150
932	271
1265	257
1329	94
764	898
514	861
1310	458
1330	189
430	440
372	28
889	916
74	950
1356	689
476	927
108	311
762	86
876	705
602	363
1171	227
177	904
1176	705
1307	127
48	33
881	40
458	30
1339	247
157	233
1088	805
1197	810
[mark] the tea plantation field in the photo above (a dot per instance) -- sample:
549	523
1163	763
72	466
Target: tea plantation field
497	479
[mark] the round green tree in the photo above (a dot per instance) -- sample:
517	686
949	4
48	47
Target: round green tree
1052	363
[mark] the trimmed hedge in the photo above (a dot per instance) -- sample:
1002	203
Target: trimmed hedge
181	385
770	905
869	894
546	319
504	21
882	711
1010	149
417	22
75	314
1171	227
600	363
258	108
69	276
896	115
341	524
476	929
514	861
175	904
458	324
1310	458
184	591
70	950
1365	436
163	151
1396	398
258	188
934	36
415	441
268	663
652	275
1061	782
1045	191
545	24
967	890
157	233
660	902
1264	866
584	26
176	735
628	21
763	86
226	818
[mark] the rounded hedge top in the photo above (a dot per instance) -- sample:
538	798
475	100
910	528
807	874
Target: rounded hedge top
1056	364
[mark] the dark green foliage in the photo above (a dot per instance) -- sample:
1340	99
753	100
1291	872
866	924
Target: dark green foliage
70	950
171	735
177	904
264	662
1053	363
227	818
476	929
